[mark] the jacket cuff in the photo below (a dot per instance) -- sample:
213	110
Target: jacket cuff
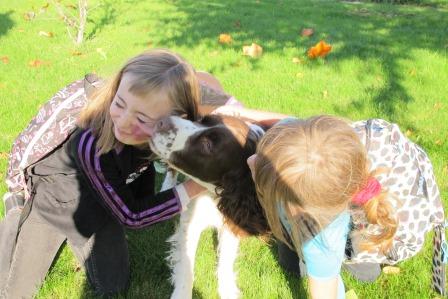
182	195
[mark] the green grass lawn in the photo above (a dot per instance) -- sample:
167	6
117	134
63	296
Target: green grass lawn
387	61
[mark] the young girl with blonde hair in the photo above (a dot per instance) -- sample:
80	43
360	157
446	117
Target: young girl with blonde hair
361	194
100	178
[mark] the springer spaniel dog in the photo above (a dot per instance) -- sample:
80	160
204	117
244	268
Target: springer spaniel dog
213	152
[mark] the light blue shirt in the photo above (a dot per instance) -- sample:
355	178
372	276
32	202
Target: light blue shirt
287	120
324	253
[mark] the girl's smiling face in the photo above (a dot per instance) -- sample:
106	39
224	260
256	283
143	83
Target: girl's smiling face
134	116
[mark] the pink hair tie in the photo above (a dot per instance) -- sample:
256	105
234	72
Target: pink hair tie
372	189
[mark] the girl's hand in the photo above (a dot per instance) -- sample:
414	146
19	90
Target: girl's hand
193	189
189	190
264	118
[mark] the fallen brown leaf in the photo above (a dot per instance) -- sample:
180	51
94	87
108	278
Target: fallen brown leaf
214	53
101	52
438	142
46	34
225	38
437	106
350	294
364	11
76	53
391	270
4	155
237	24
4	59
28	16
296	60
72	6
237	63
306	32
37	63
253	50
321	49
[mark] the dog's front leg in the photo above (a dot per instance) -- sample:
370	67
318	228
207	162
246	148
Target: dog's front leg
228	251
181	258
200	214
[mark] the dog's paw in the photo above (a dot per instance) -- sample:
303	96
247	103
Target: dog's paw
181	293
229	292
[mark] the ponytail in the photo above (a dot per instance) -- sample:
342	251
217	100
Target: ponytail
379	210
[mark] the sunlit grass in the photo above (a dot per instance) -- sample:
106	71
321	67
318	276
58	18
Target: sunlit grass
387	61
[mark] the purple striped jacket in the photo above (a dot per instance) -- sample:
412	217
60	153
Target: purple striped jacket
124	182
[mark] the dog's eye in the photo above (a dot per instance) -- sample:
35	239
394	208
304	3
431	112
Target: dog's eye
207	145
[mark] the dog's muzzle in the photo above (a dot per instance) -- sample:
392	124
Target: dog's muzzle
171	134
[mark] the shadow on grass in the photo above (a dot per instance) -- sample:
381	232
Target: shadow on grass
5	22
292	268
149	277
386	34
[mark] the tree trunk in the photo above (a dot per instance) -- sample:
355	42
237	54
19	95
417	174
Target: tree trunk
82	20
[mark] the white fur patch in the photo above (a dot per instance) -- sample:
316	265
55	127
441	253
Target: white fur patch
201	214
166	142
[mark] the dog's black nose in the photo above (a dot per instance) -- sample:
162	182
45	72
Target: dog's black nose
164	124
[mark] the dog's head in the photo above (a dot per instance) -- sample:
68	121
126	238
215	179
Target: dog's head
214	150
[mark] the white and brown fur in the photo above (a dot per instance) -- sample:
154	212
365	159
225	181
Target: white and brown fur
213	152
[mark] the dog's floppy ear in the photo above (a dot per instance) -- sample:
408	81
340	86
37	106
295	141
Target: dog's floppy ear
211	120
238	203
238	198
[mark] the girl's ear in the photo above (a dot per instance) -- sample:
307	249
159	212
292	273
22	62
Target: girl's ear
251	163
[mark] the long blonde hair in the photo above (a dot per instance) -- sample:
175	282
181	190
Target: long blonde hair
312	168
152	70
